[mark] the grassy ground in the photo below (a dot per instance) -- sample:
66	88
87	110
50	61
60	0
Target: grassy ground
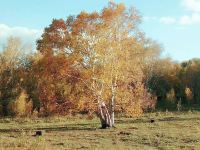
169	131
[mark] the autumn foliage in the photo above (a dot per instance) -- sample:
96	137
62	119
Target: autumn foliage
90	61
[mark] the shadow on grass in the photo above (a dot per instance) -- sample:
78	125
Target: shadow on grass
167	119
67	127
95	125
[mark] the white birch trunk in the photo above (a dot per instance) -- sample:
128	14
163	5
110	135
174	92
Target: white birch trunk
112	103
112	108
104	115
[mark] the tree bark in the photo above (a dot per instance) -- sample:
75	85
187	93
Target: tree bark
112	110
112	103
104	115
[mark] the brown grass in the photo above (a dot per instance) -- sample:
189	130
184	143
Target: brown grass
169	131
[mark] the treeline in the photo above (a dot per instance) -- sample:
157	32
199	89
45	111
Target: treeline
175	85
90	61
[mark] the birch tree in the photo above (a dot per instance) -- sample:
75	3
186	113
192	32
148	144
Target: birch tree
106	47
112	46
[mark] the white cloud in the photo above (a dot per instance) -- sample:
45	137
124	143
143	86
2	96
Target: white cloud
192	17
148	18
26	34
184	20
189	17
192	5
188	20
168	20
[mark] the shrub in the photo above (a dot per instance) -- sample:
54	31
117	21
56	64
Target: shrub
22	106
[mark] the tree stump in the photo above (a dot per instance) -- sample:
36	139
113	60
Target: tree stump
152	120
38	133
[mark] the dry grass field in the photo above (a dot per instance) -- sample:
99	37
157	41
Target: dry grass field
169	131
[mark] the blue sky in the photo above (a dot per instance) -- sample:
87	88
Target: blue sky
173	23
